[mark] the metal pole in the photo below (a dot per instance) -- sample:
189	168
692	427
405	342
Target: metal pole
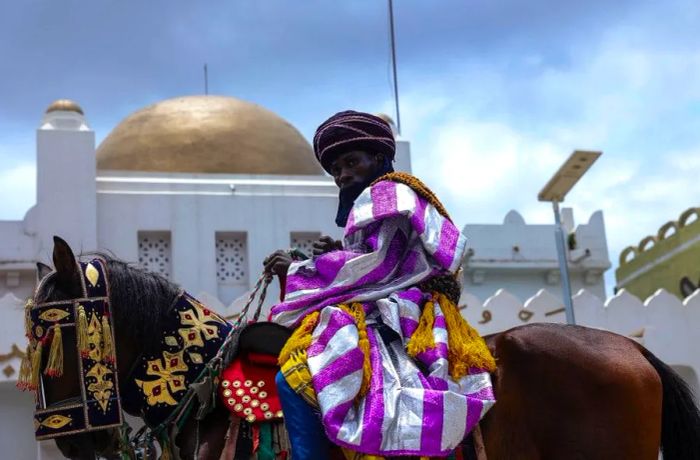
206	80
393	63
563	265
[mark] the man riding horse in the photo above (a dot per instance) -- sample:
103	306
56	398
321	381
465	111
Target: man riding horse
381	361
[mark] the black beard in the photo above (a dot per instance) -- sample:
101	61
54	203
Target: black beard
349	194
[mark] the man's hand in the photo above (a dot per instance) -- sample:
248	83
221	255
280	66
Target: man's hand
278	263
325	244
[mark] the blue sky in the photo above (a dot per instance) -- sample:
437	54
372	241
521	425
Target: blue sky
494	94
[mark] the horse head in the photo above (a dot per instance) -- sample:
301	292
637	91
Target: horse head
129	341
60	389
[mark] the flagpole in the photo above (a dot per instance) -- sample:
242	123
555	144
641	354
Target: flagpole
206	80
393	65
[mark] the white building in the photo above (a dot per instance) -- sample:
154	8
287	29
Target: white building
201	189
523	257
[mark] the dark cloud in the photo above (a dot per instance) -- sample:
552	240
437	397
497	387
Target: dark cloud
301	59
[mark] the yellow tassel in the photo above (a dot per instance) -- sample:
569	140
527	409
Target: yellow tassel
466	347
28	318
107	342
300	338
292	359
83	339
422	338
36	365
54	367
358	314
24	381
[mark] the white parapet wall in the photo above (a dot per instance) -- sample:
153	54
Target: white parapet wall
665	325
662	323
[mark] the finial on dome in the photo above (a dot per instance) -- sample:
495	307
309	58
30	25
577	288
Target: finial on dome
389	120
64	105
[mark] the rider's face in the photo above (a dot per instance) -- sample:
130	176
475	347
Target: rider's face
354	167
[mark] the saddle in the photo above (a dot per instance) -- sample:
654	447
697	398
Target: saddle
247	387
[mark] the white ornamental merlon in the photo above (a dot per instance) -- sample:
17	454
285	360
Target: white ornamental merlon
668	326
545	308
626	314
589	309
513	218
506	311
469	300
591	239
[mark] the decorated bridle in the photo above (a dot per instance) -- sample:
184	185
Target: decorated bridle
98	406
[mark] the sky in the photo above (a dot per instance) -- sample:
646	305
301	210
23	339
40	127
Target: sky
494	94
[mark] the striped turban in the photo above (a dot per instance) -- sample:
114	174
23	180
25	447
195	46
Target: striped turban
350	130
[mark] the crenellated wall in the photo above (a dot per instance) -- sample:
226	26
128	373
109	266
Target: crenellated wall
670	259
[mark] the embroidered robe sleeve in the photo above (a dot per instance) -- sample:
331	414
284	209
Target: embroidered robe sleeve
394	239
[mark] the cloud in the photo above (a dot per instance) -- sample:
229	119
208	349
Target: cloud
492	140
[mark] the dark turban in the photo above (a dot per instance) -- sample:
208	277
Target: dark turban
350	130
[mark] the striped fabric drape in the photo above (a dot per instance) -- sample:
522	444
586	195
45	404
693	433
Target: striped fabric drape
394	240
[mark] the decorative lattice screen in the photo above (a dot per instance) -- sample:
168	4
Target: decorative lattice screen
231	258
155	252
303	241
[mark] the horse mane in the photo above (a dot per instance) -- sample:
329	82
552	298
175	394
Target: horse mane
140	299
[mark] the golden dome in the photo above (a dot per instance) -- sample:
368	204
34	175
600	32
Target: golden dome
207	134
65	105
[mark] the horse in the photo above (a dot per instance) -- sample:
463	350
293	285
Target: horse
562	391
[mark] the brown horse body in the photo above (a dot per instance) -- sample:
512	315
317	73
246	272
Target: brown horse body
572	392
563	392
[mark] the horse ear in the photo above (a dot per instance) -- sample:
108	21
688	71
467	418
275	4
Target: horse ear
42	270
64	260
687	287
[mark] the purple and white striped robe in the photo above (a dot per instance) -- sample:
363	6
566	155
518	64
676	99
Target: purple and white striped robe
394	239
